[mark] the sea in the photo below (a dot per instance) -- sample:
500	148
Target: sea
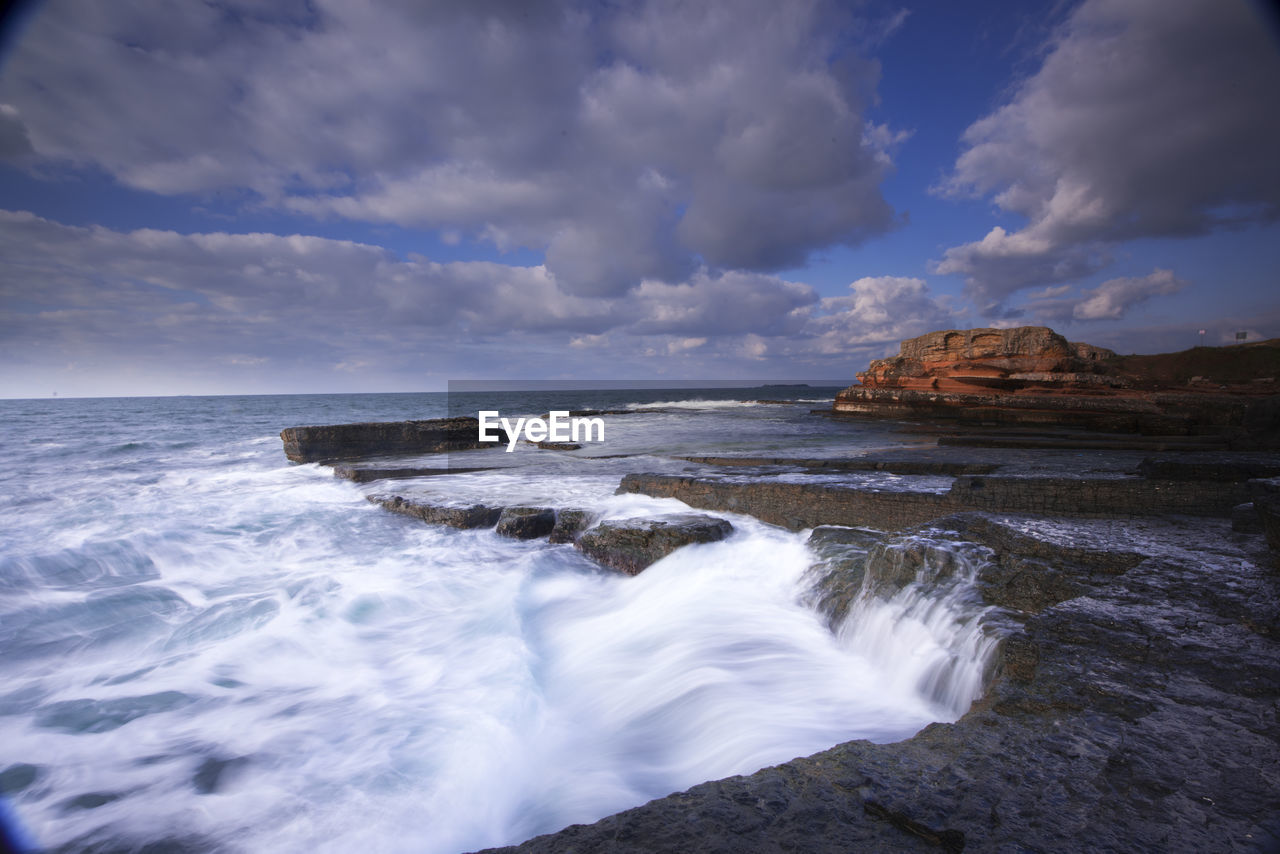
205	647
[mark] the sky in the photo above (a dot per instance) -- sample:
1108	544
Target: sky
314	196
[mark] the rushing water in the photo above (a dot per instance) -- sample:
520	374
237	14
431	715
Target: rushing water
203	644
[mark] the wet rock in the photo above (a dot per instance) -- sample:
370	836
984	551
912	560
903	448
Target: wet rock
798	505
368	474
377	439
569	524
454	516
907	467
526	523
1210	467
1137	714
631	545
1244	519
835	579
1266	503
894	564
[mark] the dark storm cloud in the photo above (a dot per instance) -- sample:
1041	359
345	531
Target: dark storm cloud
1147	119
627	142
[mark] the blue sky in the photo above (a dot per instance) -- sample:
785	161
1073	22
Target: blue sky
272	197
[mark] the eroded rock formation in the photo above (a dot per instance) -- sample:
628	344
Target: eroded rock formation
1030	375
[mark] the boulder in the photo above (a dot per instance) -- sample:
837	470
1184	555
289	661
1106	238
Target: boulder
526	523
631	545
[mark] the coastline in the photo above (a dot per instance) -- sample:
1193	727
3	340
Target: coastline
1130	683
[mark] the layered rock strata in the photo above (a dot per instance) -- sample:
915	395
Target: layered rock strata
1030	375
800	504
383	438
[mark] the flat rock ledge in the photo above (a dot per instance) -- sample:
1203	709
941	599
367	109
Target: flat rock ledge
632	545
1132	707
383	438
368	474
798	505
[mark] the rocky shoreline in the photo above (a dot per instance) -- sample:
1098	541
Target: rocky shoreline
1129	583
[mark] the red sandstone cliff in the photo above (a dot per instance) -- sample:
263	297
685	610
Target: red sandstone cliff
1032	375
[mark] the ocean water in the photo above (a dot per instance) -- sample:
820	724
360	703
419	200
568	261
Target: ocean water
206	647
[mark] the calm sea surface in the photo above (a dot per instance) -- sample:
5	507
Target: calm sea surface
206	646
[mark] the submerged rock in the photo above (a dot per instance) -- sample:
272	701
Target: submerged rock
526	523
631	545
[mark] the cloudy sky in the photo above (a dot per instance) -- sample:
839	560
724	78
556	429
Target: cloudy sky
266	196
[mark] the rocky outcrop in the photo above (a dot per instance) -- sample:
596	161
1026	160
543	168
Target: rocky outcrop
1030	375
454	516
1131	708
383	438
631	545
969	359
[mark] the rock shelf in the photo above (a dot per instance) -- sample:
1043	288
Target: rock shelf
1133	707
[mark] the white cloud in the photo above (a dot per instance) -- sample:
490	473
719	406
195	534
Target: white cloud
235	312
881	310
265	305
629	142
1111	299
1146	119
